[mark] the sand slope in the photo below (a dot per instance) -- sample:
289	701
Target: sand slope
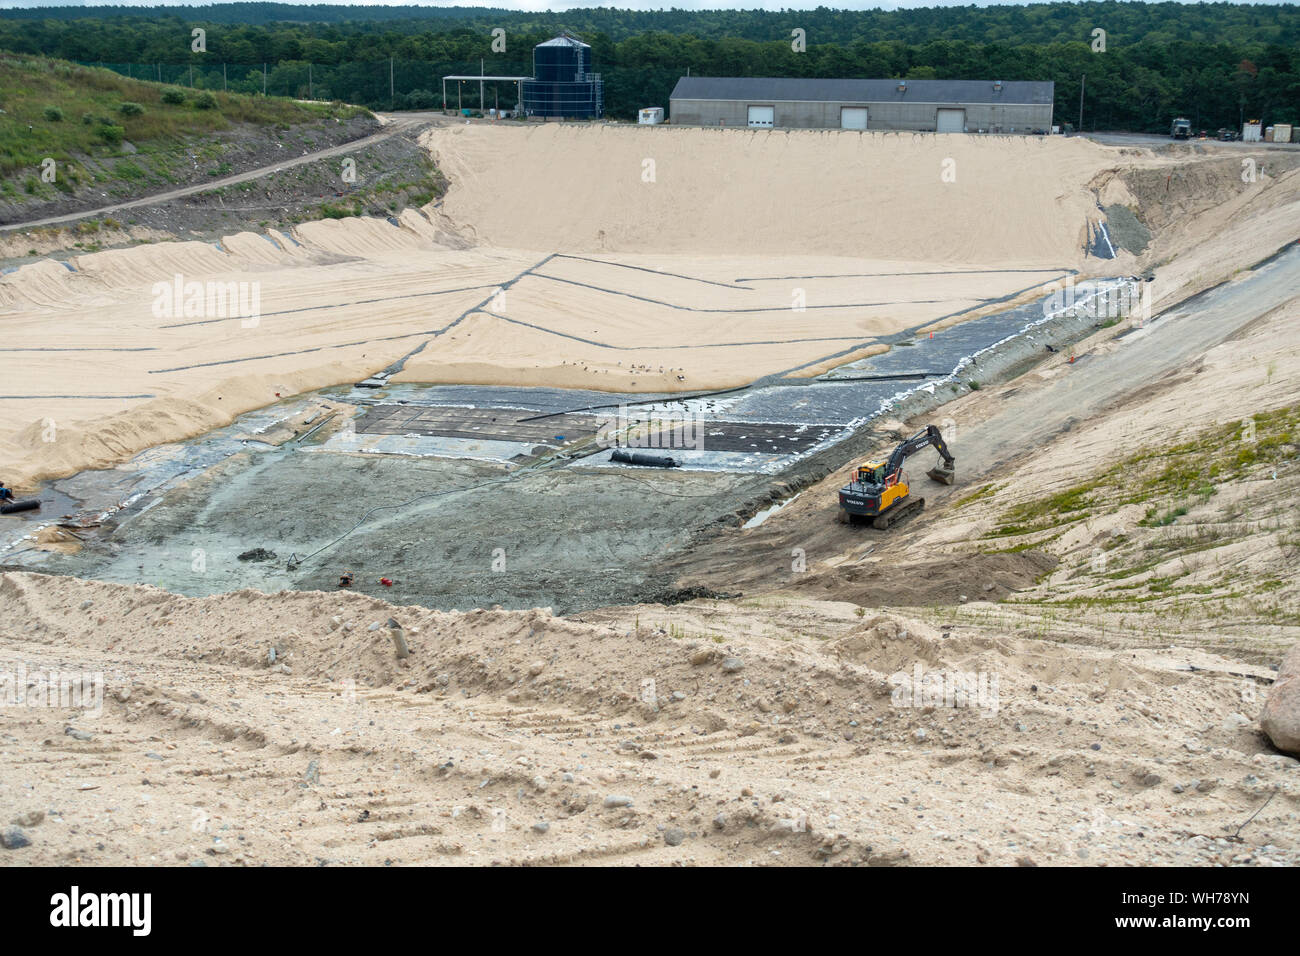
871	195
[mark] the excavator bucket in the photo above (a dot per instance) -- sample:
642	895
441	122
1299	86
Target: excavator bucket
944	474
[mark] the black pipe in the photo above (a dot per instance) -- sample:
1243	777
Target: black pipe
640	458
27	504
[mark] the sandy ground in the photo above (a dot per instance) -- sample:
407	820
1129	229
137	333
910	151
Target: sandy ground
1095	713
766	733
702	192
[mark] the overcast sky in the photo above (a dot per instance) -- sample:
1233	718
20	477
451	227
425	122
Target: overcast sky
564	5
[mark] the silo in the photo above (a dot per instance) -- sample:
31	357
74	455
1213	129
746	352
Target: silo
563	84
565	59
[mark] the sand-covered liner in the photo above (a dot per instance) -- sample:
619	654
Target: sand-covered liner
745	254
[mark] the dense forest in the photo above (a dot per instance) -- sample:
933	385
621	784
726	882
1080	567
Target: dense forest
1214	63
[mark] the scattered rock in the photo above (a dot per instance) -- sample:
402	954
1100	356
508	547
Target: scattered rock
536	667
78	734
701	657
541	826
616	801
258	554
674	836
733	664
13	838
31	818
312	777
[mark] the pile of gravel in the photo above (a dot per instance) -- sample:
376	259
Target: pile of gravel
1126	230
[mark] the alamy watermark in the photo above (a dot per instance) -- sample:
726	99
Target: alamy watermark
1099	300
208	300
61	690
658	428
976	690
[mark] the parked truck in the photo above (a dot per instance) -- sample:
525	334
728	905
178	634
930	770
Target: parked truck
1181	128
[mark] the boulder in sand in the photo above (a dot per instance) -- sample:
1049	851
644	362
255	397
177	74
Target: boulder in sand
1280	718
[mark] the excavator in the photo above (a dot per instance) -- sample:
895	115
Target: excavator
878	491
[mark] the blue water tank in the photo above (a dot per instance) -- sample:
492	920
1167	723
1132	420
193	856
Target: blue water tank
563	84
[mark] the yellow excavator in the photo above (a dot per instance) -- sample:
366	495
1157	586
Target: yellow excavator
878	492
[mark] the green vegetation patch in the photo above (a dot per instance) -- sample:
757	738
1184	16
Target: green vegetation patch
57	110
1188	470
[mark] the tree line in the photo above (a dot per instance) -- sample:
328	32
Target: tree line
1214	63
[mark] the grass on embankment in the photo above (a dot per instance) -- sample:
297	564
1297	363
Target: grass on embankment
1216	541
54	109
1170	478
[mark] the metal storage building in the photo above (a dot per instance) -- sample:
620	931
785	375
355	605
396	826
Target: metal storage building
943	106
563	84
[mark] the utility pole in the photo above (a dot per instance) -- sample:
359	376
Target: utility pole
482	71
1082	80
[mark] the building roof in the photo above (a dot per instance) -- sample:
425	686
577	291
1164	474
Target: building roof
803	89
564	39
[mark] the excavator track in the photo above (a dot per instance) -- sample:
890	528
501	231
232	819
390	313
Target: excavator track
896	514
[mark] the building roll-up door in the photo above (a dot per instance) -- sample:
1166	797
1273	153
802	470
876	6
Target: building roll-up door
762	117
951	121
853	117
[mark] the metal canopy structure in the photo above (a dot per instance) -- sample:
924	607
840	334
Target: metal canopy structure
461	77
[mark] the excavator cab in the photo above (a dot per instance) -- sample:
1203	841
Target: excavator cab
872	473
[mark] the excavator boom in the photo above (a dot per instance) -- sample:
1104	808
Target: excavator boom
945	472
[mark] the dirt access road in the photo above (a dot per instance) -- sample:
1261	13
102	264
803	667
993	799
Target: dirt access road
393	124
993	429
